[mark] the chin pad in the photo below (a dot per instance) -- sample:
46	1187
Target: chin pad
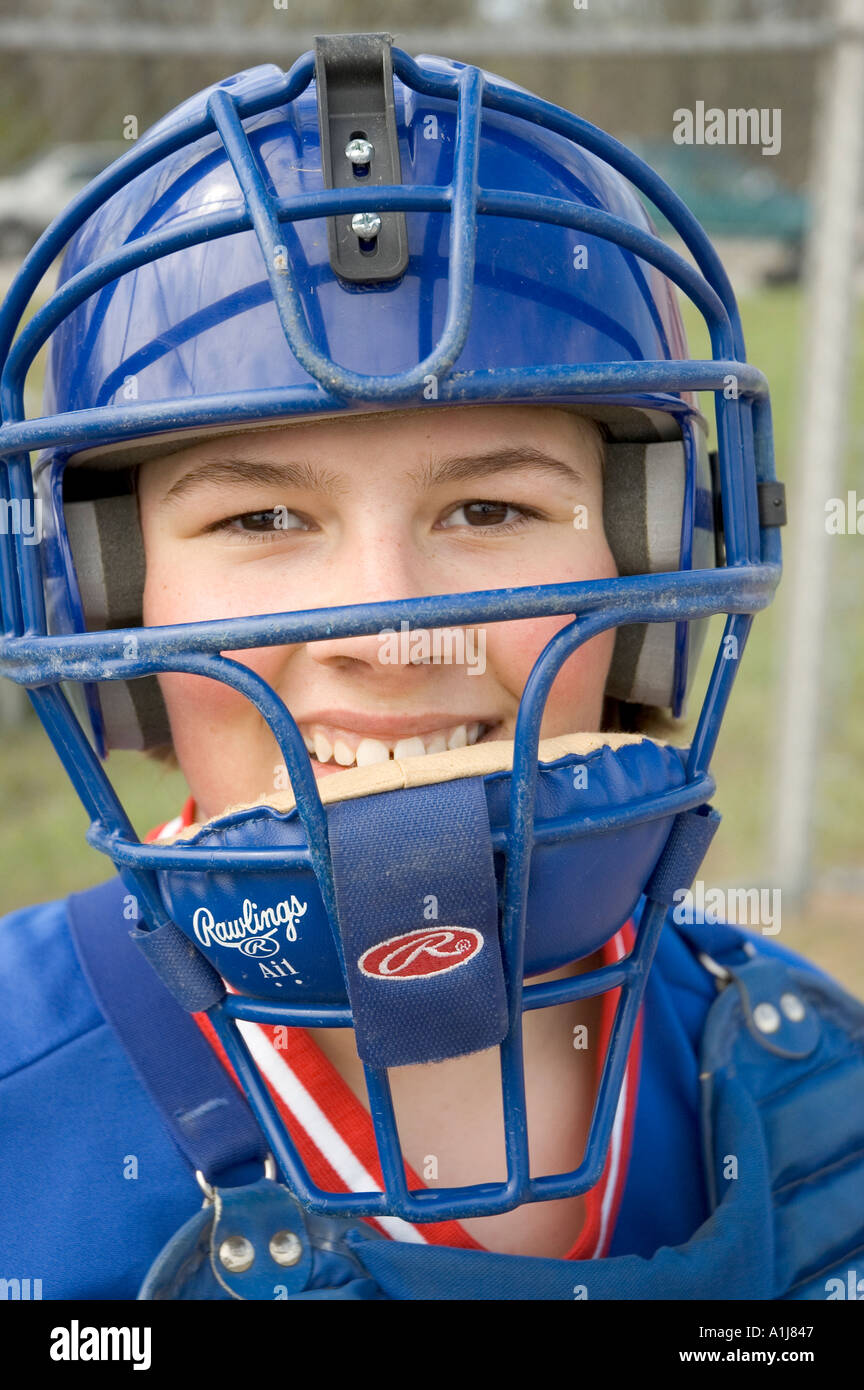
419	888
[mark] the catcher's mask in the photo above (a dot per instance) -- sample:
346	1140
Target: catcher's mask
481	246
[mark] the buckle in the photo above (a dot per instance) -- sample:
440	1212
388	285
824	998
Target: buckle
360	147
210	1191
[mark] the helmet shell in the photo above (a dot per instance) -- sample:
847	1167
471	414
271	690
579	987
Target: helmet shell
170	329
201	322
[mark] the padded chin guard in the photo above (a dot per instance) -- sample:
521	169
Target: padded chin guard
419	888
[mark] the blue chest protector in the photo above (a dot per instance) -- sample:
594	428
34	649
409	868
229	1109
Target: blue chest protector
782	1078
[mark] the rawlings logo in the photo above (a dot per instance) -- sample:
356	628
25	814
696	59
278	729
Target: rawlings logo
424	952
253	932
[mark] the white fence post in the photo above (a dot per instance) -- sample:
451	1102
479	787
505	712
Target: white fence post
821	440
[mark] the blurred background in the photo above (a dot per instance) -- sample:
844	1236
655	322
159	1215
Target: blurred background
77	80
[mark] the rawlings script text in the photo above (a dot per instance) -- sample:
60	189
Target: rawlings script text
252	923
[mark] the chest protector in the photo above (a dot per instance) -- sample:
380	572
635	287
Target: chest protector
782	1075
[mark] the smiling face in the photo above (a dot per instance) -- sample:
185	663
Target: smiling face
362	509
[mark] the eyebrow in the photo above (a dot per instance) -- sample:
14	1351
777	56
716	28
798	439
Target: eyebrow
461	468
228	470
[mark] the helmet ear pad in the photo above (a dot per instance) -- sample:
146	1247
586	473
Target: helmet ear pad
658	517
108	554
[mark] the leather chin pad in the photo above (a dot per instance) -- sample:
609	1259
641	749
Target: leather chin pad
267	933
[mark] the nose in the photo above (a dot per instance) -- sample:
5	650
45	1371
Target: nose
377	567
354	653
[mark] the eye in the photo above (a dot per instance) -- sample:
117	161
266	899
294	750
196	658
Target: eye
259	525
489	515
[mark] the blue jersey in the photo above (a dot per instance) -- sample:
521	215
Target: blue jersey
93	1186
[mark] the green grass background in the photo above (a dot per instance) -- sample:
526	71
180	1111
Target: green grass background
42	849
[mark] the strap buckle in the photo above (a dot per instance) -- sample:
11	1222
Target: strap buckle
209	1190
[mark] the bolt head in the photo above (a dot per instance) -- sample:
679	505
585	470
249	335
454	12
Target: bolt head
366	224
359	151
766	1018
286	1248
236	1254
793	1007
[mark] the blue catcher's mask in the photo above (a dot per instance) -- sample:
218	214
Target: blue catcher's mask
482	246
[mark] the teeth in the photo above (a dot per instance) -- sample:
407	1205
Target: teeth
342	753
410	748
337	747
372	750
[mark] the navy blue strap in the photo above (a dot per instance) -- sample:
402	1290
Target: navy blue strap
203	1110
418	913
686	847
689	838
190	978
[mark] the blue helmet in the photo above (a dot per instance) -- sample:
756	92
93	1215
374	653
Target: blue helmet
199	294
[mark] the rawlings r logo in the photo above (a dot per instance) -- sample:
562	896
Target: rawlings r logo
421	952
253	932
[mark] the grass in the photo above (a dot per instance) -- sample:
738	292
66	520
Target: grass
43	855
745	764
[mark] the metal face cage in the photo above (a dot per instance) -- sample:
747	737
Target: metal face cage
40	662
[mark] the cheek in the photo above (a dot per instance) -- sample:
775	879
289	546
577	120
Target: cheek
205	711
222	742
576	697
179	590
201	709
514	648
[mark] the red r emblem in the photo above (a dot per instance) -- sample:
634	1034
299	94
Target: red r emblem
424	952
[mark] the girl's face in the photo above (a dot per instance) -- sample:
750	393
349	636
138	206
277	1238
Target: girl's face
361	509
